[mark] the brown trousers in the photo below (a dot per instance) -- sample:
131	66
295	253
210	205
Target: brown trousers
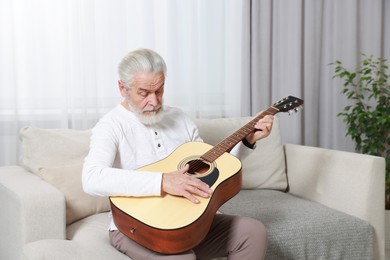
232	236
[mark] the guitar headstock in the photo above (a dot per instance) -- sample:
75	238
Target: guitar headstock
288	104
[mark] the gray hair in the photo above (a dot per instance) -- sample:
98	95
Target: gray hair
141	60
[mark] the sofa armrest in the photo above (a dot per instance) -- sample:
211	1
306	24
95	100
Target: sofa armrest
31	209
349	182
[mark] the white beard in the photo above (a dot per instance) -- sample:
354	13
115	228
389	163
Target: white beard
151	119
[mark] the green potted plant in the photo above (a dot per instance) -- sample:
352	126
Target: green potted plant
368	115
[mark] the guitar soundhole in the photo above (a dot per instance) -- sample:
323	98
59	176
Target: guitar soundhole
205	171
198	167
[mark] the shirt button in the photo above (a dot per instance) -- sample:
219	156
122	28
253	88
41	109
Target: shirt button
155	133
159	145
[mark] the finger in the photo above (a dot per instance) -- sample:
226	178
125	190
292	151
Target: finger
264	124
190	197
201	187
197	191
266	119
185	169
265	127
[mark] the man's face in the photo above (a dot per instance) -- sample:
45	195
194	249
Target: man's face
145	97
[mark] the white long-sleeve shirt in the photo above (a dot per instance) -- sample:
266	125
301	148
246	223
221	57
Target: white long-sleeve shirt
120	144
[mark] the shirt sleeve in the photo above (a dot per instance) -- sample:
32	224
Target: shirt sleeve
241	151
100	179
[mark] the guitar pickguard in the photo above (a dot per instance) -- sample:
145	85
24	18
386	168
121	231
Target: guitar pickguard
211	178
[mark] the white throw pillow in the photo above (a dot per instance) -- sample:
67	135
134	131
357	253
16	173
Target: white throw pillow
265	167
52	147
57	155
67	179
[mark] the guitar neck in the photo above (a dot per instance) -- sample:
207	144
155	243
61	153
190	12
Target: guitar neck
228	143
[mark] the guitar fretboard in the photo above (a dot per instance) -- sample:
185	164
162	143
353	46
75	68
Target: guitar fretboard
228	143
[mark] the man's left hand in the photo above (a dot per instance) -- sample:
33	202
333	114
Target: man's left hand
263	128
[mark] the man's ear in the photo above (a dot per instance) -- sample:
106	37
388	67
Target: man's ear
122	88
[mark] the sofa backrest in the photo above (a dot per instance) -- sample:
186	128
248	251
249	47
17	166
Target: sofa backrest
57	155
264	169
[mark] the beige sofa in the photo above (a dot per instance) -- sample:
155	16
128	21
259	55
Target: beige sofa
316	203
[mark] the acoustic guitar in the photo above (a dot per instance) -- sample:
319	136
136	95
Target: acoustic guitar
172	224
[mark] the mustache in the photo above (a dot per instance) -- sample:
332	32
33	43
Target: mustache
151	109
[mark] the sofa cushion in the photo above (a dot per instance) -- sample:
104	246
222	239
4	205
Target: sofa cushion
302	229
68	180
52	147
265	167
56	249
92	234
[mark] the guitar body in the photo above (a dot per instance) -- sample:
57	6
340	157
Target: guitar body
173	224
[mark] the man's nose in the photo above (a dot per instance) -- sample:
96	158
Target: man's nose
153	99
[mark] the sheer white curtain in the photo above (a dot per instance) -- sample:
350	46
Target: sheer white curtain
59	59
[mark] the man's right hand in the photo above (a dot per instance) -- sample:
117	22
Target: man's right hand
179	183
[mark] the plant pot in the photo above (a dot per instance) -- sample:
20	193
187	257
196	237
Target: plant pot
387	201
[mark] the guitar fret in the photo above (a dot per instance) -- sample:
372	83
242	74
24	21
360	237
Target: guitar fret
242	132
225	145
